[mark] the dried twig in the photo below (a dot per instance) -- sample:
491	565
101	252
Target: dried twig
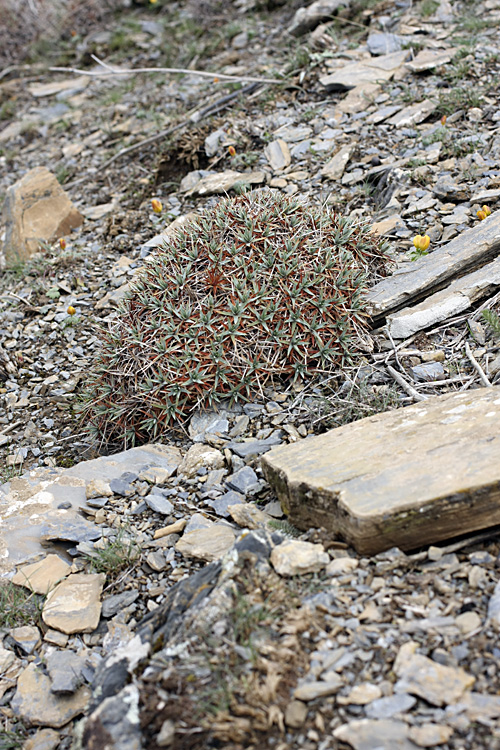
475	364
404	385
110	70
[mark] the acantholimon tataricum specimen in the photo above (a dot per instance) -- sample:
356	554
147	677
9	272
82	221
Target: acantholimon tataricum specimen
259	289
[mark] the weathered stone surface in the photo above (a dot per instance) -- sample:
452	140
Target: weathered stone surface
26	638
293	558
65	671
248	515
44	739
468	251
458	296
220	182
43	575
367	734
334	169
200	456
413	114
74	605
278	155
436	683
373	70
206	544
36	209
445	452
312	690
383	43
309	17
361	695
35	704
430	735
431	58
117	720
56	87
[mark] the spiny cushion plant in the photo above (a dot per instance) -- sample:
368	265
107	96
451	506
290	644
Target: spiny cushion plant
259	289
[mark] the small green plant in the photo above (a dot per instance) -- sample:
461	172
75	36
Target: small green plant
262	289
428	8
12	736
53	293
362	400
493	320
18	606
413	163
286	528
459	97
116	555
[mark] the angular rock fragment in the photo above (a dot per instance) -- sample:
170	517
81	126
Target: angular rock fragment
207	544
334	169
367	734
294	557
36	209
35	704
436	683
43	575
445	452
74	605
374	70
309	17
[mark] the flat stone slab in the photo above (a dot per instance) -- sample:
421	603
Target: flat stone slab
403	478
418	279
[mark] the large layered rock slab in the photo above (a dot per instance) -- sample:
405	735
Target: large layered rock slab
411	283
403	478
36	210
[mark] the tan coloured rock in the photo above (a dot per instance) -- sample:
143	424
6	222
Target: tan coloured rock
74	606
436	683
34	703
430	735
403	478
278	155
370	70
207	544
248	515
56	87
36	209
320	689
294	558
98	488
200	456
44	739
219	183
413	114
42	576
427	59
361	695
334	169
368	734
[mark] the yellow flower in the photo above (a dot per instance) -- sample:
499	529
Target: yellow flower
481	215
486	210
71	310
156	205
422	242
443	119
62	243
231	150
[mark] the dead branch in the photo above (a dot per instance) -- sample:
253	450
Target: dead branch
110	70
404	385
475	364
